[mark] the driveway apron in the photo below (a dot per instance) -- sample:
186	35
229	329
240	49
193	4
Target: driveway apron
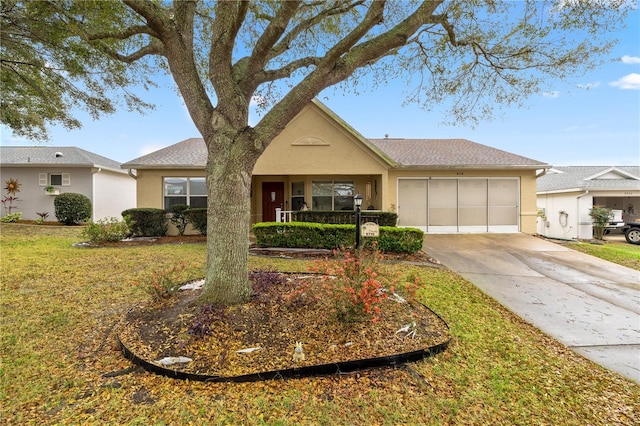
586	303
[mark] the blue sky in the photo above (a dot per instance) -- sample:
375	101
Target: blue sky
595	121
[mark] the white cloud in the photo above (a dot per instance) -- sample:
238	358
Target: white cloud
589	85
551	94
626	59
628	82
572	128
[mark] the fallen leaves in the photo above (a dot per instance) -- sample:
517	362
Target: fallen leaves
260	335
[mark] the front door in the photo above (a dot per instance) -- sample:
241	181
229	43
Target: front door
272	198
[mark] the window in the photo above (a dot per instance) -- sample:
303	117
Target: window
332	195
190	191
54	179
297	195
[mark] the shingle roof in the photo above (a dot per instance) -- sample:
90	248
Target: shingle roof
68	156
577	178
432	153
450	153
190	153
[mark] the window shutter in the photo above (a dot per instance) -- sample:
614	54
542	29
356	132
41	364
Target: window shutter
42	179
66	179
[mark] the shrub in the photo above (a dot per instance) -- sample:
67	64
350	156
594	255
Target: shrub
198	219
600	217
72	208
356	285
106	230
146	222
321	236
163	284
177	217
11	217
345	217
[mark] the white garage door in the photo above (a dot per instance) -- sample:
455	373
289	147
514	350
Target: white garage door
464	205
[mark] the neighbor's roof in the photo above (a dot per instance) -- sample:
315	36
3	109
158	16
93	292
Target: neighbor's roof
448	153
190	153
582	178
64	156
409	153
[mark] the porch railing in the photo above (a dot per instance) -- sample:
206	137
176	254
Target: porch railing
283	215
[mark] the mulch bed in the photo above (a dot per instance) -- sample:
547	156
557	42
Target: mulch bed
259	336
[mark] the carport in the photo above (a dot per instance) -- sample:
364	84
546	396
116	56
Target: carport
566	194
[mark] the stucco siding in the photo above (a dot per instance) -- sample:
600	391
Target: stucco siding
314	143
115	192
33	199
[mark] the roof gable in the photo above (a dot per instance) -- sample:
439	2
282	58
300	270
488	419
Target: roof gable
612	173
582	178
392	153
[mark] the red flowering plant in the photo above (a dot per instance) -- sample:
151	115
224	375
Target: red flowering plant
356	285
162	284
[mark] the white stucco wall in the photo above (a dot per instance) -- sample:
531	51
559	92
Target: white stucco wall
33	199
114	192
561	215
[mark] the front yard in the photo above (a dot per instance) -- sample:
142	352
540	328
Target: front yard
60	307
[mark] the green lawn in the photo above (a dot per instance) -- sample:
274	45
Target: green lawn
618	252
60	306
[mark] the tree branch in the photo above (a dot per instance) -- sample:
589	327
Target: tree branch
260	54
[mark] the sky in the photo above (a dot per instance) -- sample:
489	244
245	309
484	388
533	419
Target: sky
595	121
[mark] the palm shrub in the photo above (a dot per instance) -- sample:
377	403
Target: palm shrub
72	208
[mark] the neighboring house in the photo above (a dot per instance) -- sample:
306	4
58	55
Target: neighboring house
66	169
566	194
439	186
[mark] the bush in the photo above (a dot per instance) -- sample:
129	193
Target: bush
72	208
163	283
11	217
345	217
106	230
321	236
600	217
198	219
146	222
177	217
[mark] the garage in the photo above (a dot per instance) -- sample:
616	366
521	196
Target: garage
459	205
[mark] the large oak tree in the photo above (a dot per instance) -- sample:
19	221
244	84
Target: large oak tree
472	54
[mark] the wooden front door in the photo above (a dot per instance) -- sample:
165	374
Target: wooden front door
272	198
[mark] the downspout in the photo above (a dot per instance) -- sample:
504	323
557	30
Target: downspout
133	175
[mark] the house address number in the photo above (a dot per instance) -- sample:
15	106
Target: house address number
370	229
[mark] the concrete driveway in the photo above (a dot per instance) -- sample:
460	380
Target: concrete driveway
588	304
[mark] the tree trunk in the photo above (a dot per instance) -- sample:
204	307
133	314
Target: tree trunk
228	219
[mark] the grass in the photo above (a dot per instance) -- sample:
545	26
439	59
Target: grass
59	304
622	253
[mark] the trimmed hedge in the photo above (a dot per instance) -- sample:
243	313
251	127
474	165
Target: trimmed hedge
345	217
71	208
198	219
146	222
329	236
